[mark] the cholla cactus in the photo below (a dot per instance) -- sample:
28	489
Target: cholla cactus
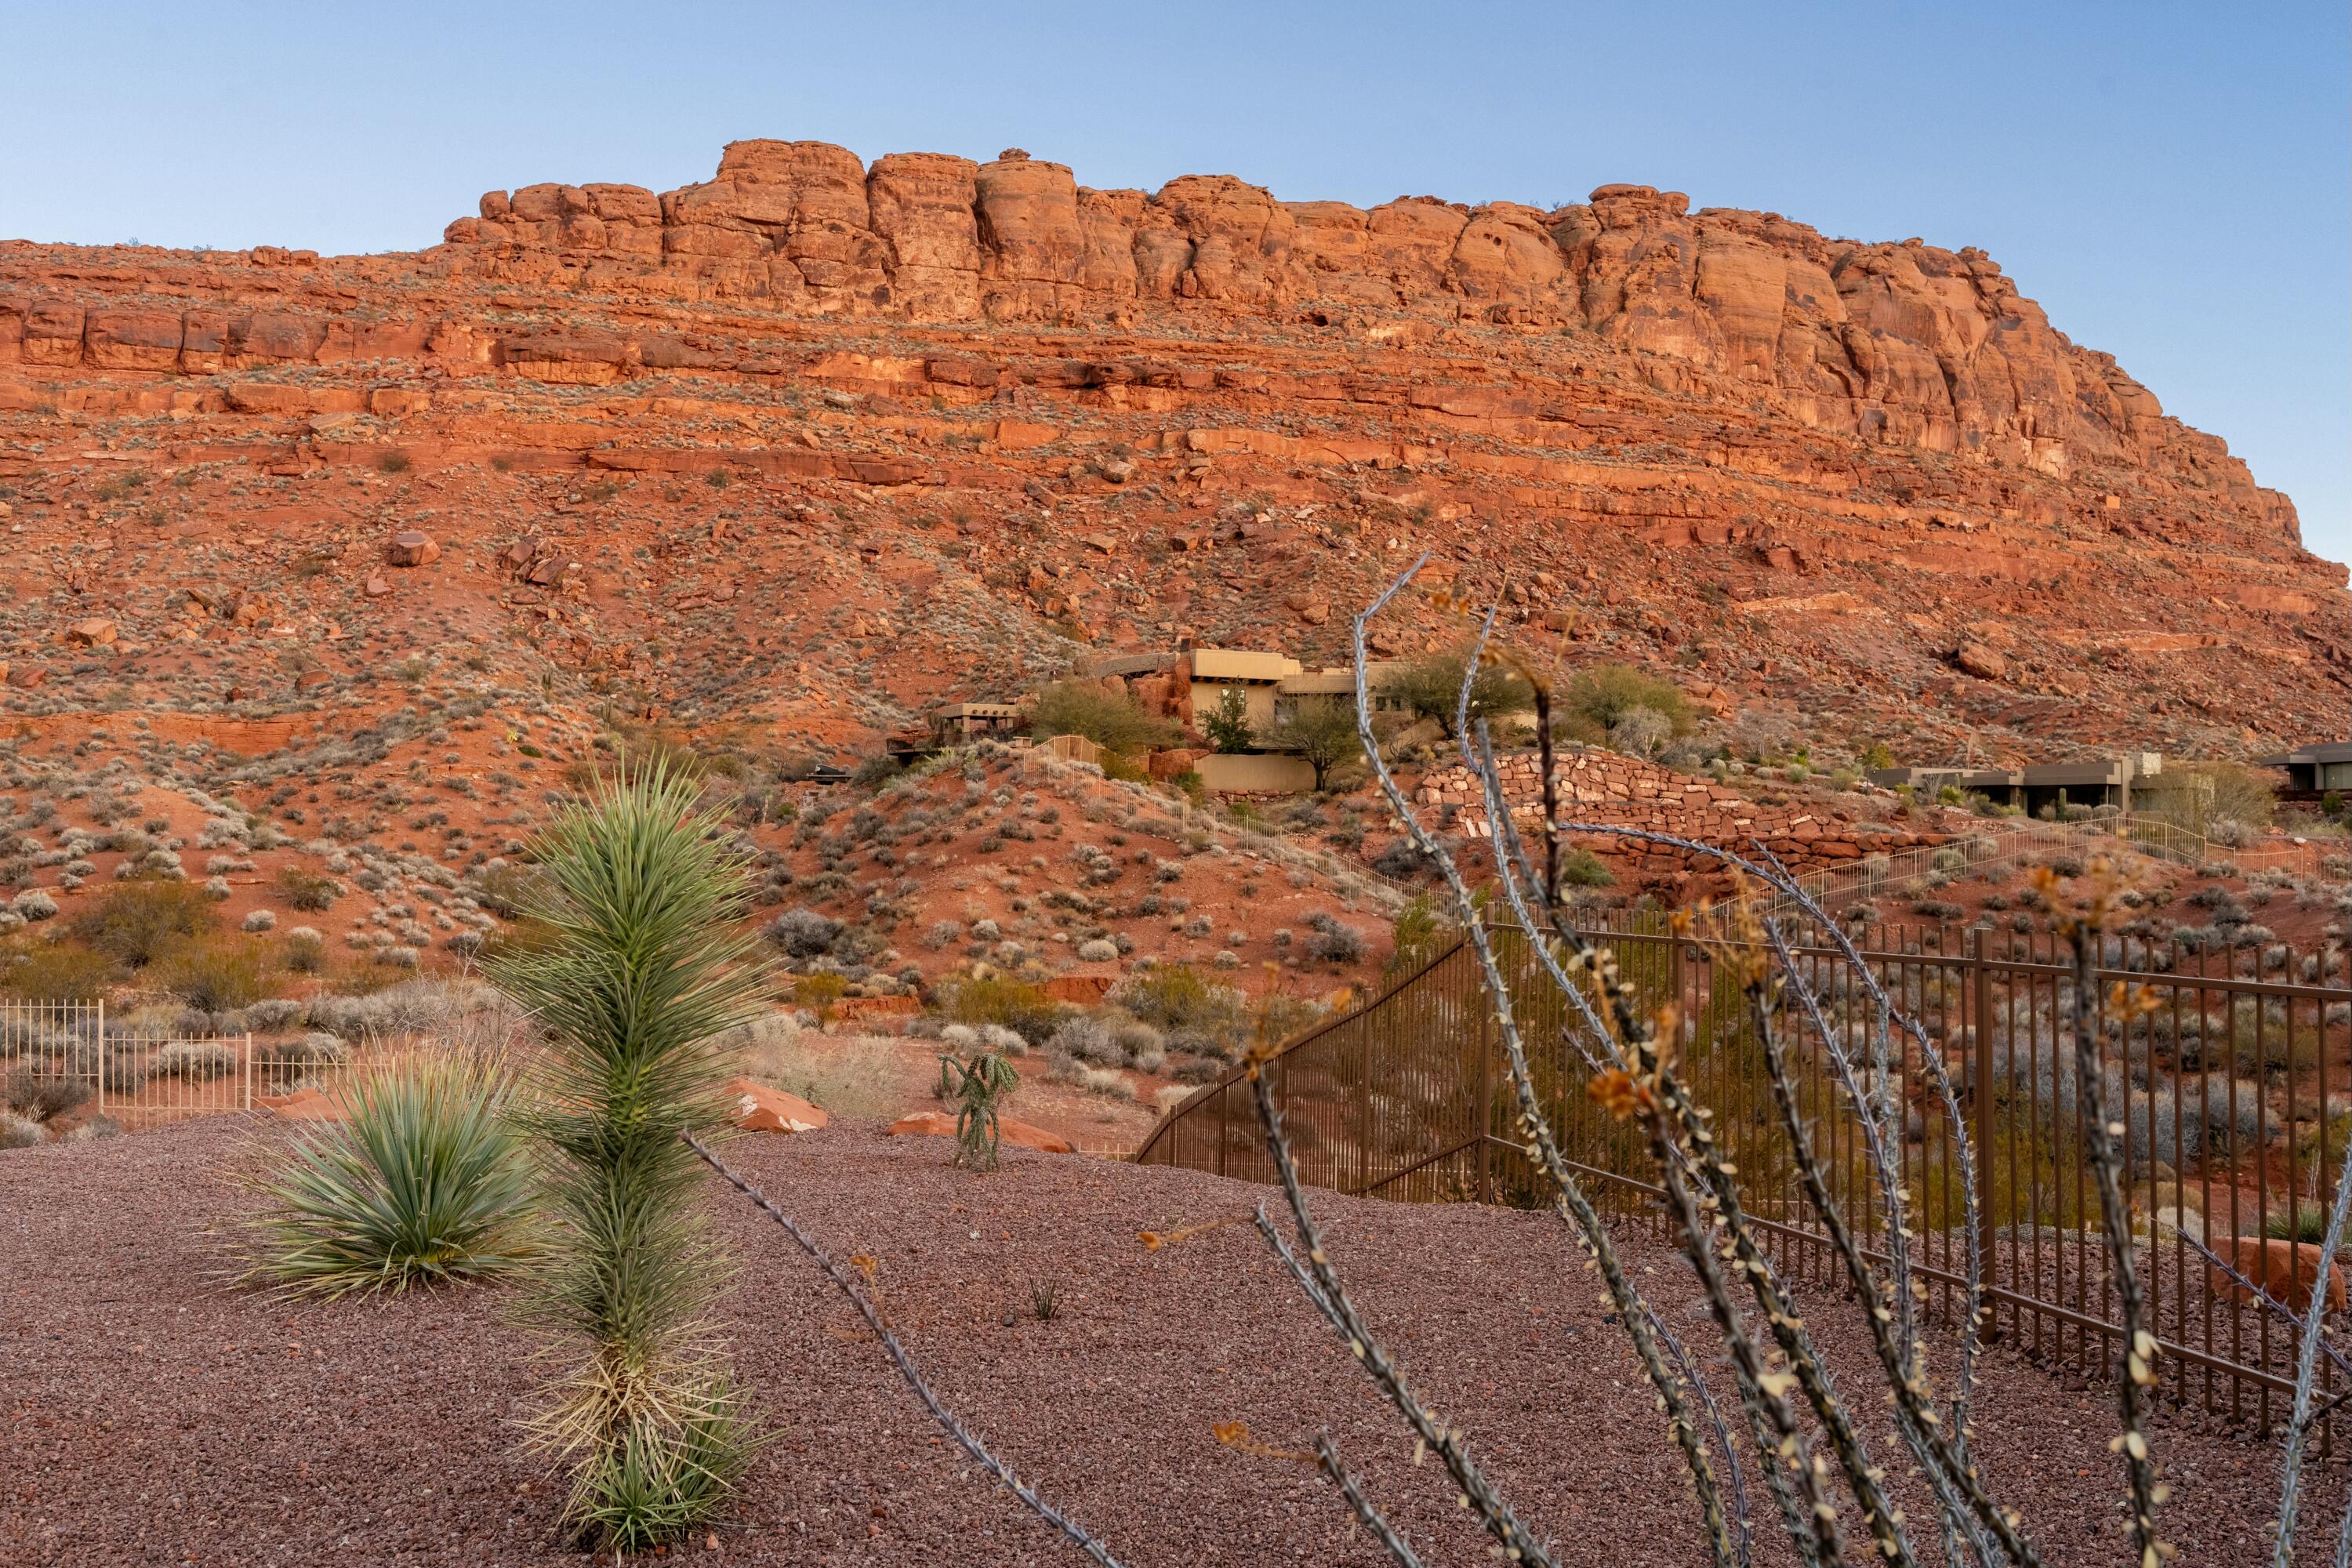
976	1084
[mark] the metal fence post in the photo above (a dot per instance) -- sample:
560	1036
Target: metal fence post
248	1069
1980	962
101	1056
1486	1092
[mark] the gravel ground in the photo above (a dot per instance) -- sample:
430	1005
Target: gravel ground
157	1415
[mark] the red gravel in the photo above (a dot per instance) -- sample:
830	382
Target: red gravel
156	1414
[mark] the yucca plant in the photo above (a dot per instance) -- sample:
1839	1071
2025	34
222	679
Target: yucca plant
642	966
424	1183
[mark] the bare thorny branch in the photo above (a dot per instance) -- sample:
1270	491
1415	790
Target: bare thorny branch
2102	1145
1682	1142
1321	1283
1946	1462
1571	1202
964	1437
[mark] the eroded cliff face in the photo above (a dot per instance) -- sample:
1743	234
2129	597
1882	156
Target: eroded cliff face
815	443
1906	343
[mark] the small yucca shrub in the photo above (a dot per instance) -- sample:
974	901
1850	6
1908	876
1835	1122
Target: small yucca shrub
425	1182
641	967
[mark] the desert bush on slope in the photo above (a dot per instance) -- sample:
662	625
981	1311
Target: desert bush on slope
1112	722
137	923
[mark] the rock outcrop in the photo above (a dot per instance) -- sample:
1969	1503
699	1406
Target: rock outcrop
1906	343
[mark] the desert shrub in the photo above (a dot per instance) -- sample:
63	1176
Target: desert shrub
259	921
1329	942
118	1062
1192	1011
875	771
981	1000
448	1010
214	973
135	923
19	1132
1583	868
820	992
307	891
56	972
1072	1073
1644	732
803	933
506	891
193	1061
1112	721
272	1012
1004	1041
646	966
943	934
1087	1038
422	1182
41	1095
1402	858
1099	949
1601	698
33	904
306	951
282	1064
1136	1040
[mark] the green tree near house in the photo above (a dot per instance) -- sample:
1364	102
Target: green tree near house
1324	735
1430	687
1228	728
1112	721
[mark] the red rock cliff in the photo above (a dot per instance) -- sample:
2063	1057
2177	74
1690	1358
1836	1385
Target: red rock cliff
1838	489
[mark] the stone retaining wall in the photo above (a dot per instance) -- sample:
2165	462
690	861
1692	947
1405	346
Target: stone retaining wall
1624	792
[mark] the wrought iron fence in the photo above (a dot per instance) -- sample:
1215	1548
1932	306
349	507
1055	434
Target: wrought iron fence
72	1060
2232	1094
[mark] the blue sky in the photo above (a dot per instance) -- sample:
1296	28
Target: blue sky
2173	181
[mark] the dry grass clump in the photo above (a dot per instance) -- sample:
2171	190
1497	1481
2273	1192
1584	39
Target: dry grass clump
858	1077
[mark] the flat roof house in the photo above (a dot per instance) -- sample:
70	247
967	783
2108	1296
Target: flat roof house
1334	685
2316	769
2103	781
1216	670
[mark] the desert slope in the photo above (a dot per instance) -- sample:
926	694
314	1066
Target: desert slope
811	444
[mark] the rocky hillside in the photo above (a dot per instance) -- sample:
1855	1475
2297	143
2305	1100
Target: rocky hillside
810	445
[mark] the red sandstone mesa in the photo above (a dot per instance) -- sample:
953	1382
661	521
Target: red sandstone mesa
1866	482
